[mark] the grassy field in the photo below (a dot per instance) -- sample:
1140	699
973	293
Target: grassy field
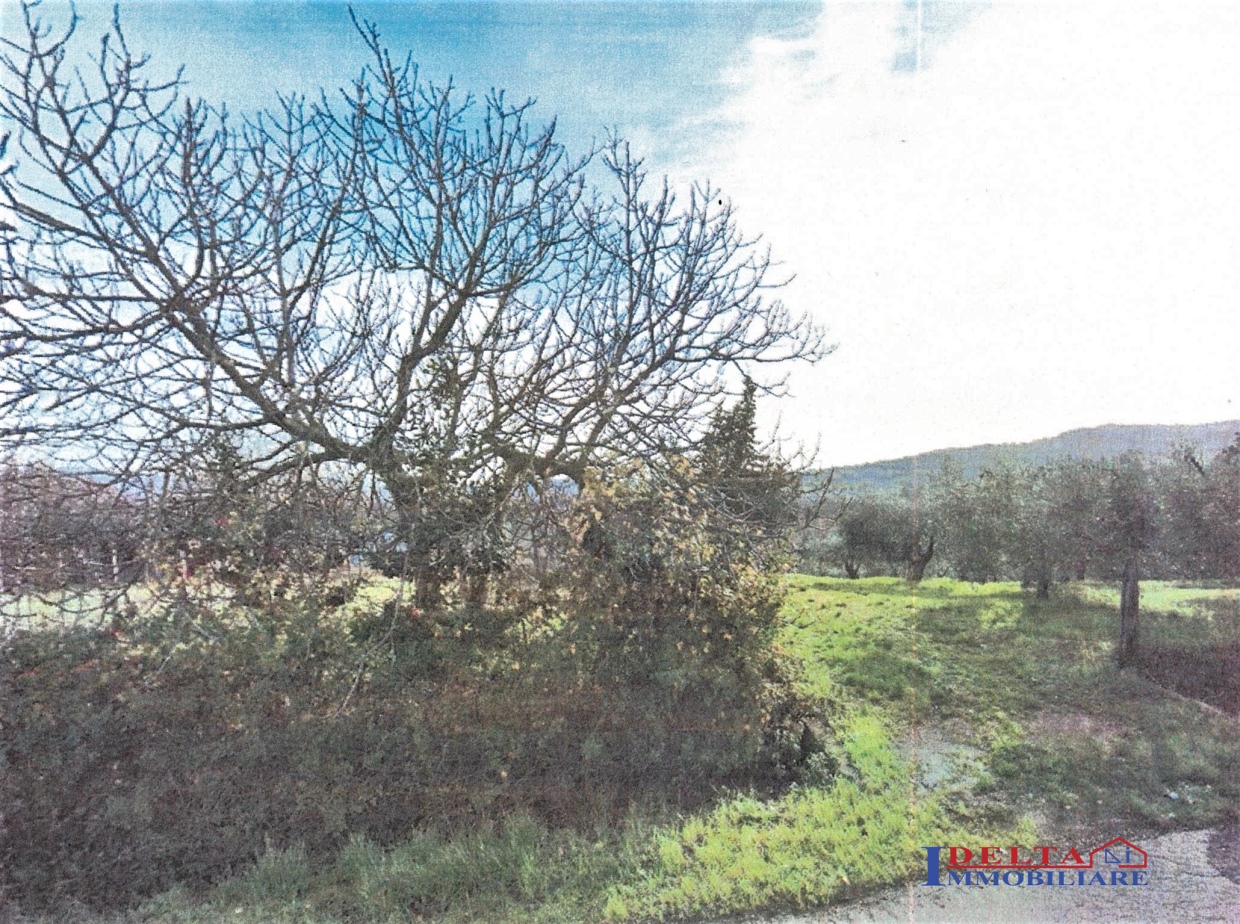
962	714
1029	689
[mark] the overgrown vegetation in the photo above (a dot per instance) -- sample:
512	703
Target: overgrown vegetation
392	331
959	713
261	706
177	747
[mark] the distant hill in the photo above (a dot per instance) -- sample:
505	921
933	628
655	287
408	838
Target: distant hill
1089	443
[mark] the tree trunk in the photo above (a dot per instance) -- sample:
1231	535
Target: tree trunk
1129	611
427	587
1044	589
476	587
918	559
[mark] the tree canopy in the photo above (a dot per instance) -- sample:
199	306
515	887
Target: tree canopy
395	277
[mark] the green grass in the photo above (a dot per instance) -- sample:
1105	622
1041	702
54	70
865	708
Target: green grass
1177	614
518	872
931	652
62	609
812	847
1087	749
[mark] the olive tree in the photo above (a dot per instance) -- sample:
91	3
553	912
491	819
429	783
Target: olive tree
883	535
1201	534
1128	524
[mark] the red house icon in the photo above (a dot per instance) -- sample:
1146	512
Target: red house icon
1119	854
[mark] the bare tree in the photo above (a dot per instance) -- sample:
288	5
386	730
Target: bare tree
58	530
395	278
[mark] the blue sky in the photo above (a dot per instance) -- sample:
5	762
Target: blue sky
1019	218
647	68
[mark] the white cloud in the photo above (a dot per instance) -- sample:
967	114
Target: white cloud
1038	231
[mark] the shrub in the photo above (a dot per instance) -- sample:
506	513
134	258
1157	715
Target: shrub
137	760
674	613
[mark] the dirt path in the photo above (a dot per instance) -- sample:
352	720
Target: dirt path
1194	876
